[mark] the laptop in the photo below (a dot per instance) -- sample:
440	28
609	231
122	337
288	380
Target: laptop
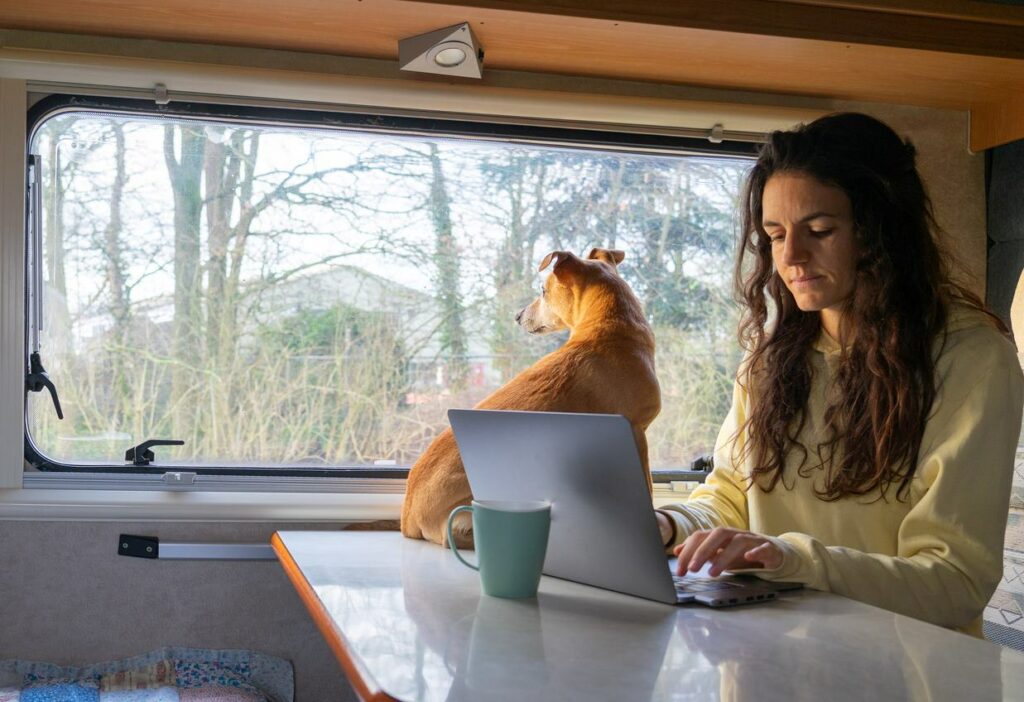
603	529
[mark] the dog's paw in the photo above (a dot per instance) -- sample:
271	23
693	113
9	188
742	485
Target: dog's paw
462	531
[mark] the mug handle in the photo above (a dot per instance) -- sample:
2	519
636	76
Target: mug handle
451	539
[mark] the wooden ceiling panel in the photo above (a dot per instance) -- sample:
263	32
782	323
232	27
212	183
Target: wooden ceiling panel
350	27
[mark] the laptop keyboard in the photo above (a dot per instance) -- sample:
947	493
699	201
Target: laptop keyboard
692	583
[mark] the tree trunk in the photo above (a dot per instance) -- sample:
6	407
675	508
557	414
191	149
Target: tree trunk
508	274
221	176
186	345
120	384
446	261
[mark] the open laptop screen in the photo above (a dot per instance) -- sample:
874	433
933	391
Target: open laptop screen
603	529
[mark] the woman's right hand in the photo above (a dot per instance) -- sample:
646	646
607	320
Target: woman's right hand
727	549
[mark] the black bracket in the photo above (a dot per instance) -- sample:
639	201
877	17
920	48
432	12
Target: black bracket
37	379
703	464
138	546
141	455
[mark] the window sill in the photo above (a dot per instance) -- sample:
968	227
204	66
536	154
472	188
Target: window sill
167	505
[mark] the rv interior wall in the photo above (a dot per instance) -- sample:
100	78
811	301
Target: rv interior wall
955	179
68	598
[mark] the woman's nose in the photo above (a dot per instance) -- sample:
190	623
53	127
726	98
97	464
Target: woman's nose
794	249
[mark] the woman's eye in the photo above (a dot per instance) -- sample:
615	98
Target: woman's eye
776	237
820	233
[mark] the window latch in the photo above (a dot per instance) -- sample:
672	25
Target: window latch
703	464
142	455
37	379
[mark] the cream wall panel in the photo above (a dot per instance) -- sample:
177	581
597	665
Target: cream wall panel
12	280
953	176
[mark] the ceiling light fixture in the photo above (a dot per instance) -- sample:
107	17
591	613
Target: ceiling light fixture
452	51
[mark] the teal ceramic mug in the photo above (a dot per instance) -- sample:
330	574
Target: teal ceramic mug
511	539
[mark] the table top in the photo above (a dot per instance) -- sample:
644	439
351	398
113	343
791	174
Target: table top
408	622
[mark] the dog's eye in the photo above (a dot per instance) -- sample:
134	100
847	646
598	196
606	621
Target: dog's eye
543	292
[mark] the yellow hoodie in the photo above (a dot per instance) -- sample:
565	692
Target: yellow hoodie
937	555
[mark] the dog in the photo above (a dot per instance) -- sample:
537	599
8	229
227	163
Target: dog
605	367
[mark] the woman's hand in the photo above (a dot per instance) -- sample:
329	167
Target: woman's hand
726	549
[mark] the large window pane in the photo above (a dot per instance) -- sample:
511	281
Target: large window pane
275	295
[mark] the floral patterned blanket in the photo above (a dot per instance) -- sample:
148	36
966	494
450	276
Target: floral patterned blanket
170	674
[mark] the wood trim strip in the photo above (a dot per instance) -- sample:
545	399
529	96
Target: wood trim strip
997	123
980	36
966	10
364	687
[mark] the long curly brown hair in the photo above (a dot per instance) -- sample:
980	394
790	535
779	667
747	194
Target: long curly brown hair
885	384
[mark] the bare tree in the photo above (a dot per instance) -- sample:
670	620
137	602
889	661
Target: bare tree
185	179
116	283
517	195
446	264
260	358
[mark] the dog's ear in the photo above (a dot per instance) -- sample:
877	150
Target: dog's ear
612	256
559	257
565	263
556	255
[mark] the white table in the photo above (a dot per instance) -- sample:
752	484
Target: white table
408	622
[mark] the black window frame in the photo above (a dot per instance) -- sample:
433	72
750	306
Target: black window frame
393	122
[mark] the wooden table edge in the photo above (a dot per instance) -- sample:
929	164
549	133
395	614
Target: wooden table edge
325	624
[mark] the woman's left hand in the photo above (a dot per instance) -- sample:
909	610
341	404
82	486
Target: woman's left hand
727	549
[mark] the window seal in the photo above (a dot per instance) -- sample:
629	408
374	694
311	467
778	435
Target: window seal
106	480
391	123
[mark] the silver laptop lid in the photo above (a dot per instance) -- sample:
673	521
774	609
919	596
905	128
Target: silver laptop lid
603	528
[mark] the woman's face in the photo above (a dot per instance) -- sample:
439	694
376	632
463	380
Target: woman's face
810	225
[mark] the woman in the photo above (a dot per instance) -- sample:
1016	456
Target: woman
870	446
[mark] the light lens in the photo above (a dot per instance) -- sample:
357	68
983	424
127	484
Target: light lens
450	57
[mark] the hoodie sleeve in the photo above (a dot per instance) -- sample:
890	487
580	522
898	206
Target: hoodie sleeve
721	500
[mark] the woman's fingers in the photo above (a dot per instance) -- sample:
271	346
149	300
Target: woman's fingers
685	550
767	554
732	555
716	539
726	549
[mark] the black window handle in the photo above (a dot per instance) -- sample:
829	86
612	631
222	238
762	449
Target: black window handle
37	379
704	464
141	455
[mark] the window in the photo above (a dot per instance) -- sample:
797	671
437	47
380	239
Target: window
300	292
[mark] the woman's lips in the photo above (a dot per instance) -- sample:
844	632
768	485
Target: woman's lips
807	280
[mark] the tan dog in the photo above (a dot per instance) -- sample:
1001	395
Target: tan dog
605	367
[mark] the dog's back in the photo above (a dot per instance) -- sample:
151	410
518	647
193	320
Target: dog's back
606	366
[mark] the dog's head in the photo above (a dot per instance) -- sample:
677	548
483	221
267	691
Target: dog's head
557	306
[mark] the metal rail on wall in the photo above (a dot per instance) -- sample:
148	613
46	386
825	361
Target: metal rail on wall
151	547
